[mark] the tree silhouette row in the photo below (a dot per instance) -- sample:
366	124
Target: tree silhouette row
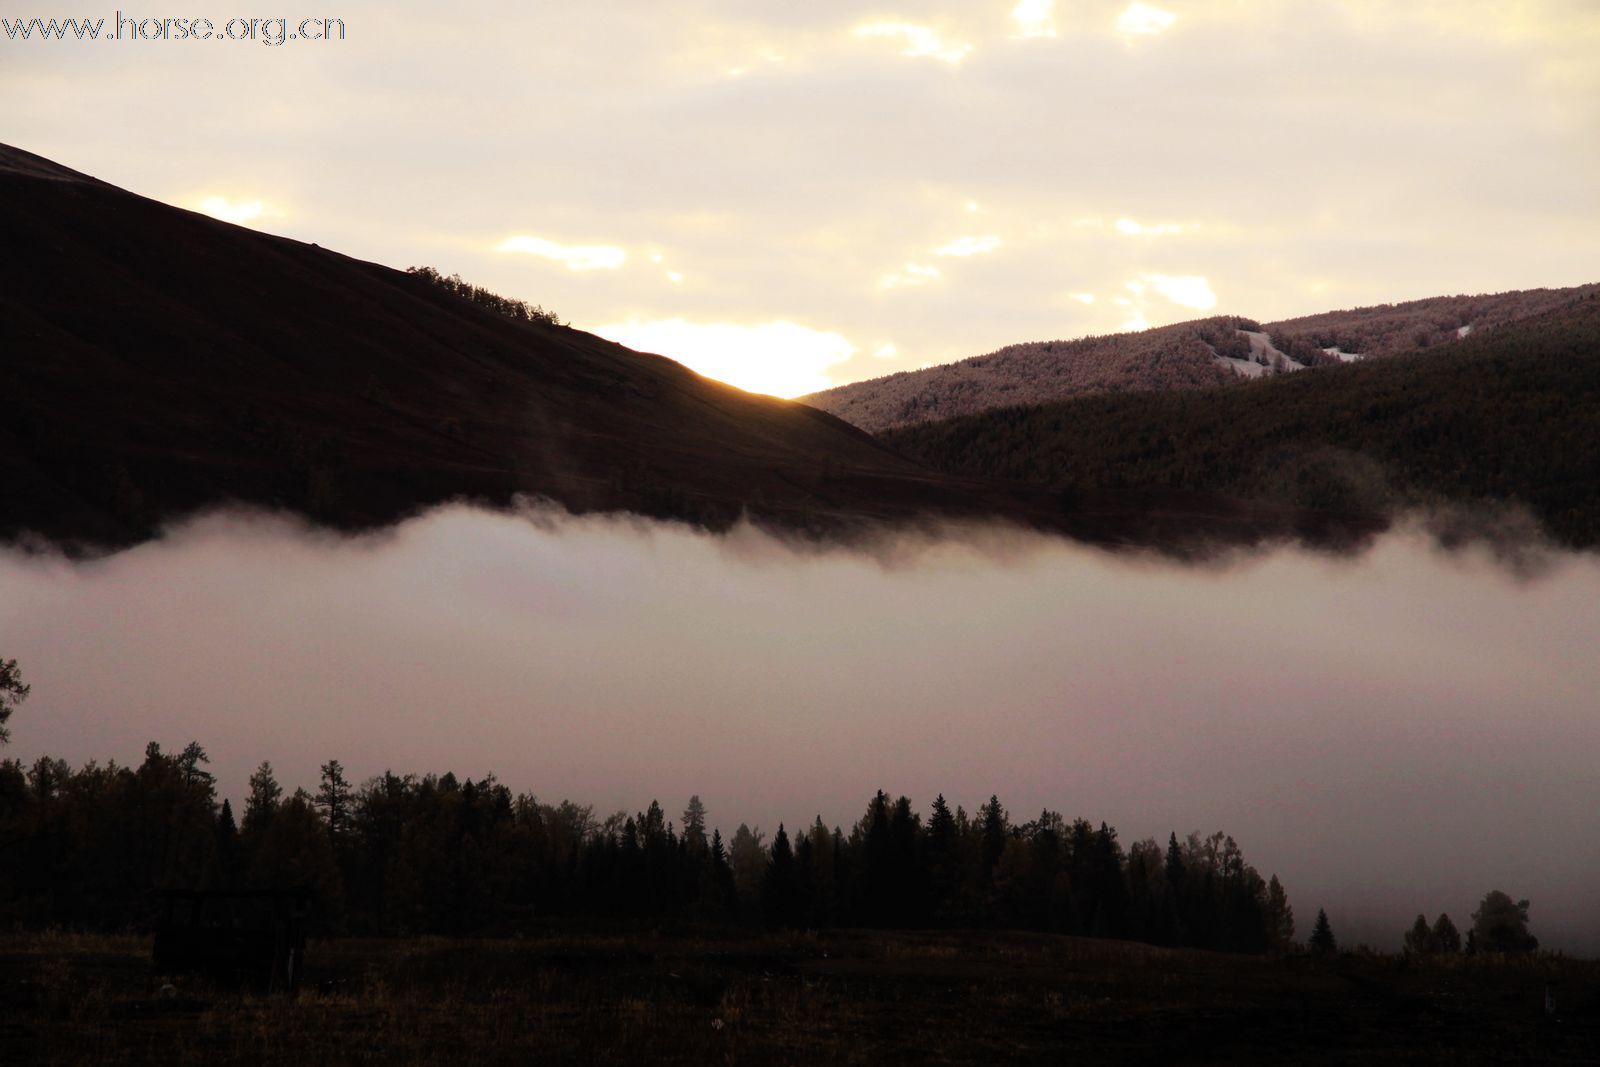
94	847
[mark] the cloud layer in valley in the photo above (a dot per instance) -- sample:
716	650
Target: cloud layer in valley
1394	733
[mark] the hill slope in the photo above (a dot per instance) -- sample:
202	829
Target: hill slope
1183	356
1396	329
154	361
1505	416
1188	355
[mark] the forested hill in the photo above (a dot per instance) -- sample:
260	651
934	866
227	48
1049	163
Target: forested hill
1188	355
1505	416
1396	329
1183	356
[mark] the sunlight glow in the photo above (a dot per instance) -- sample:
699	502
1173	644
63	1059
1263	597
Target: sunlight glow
573	257
237	212
1035	18
1144	19
969	246
1083	298
916	40
780	358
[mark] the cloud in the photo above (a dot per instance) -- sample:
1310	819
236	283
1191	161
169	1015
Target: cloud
910	276
573	257
1144	19
1340	718
781	358
969	246
915	40
1131	228
1034	18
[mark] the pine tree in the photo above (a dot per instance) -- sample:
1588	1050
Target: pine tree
907	879
722	875
1420	939
1174	861
993	827
780	884
333	799
1279	916
940	847
805	877
748	859
189	762
1445	934
694	826
225	857
1322	942
824	887
262	802
12	693
874	887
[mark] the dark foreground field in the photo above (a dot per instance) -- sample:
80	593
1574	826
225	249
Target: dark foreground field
838	998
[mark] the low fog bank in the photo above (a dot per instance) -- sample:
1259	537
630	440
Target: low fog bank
1392	733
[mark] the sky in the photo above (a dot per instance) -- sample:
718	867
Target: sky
790	196
1393	733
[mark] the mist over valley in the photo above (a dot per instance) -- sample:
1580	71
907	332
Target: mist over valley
1390	732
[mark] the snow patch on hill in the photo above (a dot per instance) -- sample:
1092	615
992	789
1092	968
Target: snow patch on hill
1247	367
1344	357
1264	355
1262	350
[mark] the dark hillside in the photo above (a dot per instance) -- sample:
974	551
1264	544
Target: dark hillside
154	361
1508	416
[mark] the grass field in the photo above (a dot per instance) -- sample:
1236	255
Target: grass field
843	997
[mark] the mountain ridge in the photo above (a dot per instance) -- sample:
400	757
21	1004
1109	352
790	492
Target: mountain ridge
1196	354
